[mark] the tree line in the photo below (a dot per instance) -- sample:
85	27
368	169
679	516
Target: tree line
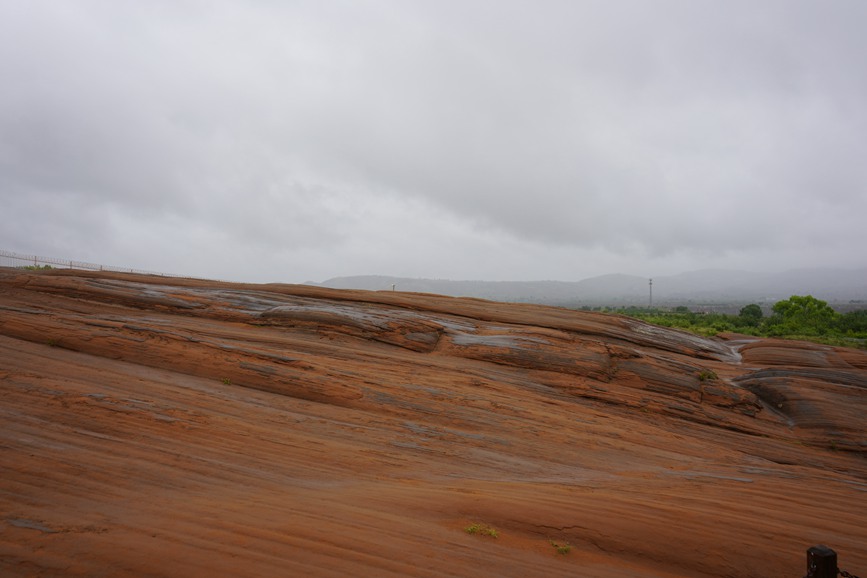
798	317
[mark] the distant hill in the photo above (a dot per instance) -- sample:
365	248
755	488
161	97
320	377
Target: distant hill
710	285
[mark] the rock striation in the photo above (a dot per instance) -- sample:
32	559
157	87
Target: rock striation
164	427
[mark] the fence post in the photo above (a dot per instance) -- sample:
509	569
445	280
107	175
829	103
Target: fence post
821	562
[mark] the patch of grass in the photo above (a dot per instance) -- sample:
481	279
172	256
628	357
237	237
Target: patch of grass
482	529
226	381
707	375
563	549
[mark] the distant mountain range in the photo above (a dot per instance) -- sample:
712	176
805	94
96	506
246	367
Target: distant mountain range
706	286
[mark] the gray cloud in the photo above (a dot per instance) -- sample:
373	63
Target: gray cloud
502	140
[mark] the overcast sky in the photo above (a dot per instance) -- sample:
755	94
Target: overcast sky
467	139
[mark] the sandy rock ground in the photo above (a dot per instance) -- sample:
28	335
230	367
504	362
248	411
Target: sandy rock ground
171	427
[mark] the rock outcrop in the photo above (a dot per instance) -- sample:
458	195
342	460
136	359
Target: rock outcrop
156	426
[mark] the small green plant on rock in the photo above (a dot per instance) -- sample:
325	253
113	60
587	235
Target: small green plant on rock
707	375
563	549
226	381
482	529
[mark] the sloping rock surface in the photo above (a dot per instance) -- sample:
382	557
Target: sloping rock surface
171	427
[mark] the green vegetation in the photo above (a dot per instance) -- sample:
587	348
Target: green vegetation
36	267
226	381
562	548
802	316
751	315
798	317
482	529
707	375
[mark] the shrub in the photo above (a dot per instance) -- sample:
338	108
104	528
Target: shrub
482	529
707	375
562	548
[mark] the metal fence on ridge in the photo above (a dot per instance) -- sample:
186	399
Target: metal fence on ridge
10	259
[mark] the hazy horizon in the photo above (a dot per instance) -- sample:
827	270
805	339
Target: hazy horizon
612	274
24	259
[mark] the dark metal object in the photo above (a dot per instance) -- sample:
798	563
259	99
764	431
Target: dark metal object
822	563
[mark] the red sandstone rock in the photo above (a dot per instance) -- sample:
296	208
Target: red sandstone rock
170	427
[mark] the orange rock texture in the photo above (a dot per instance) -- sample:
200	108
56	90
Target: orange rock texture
172	427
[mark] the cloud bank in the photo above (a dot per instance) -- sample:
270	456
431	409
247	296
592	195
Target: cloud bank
270	141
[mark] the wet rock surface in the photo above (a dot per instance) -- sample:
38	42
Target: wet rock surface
170	427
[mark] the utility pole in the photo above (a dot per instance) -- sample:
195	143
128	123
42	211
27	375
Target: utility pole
650	285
